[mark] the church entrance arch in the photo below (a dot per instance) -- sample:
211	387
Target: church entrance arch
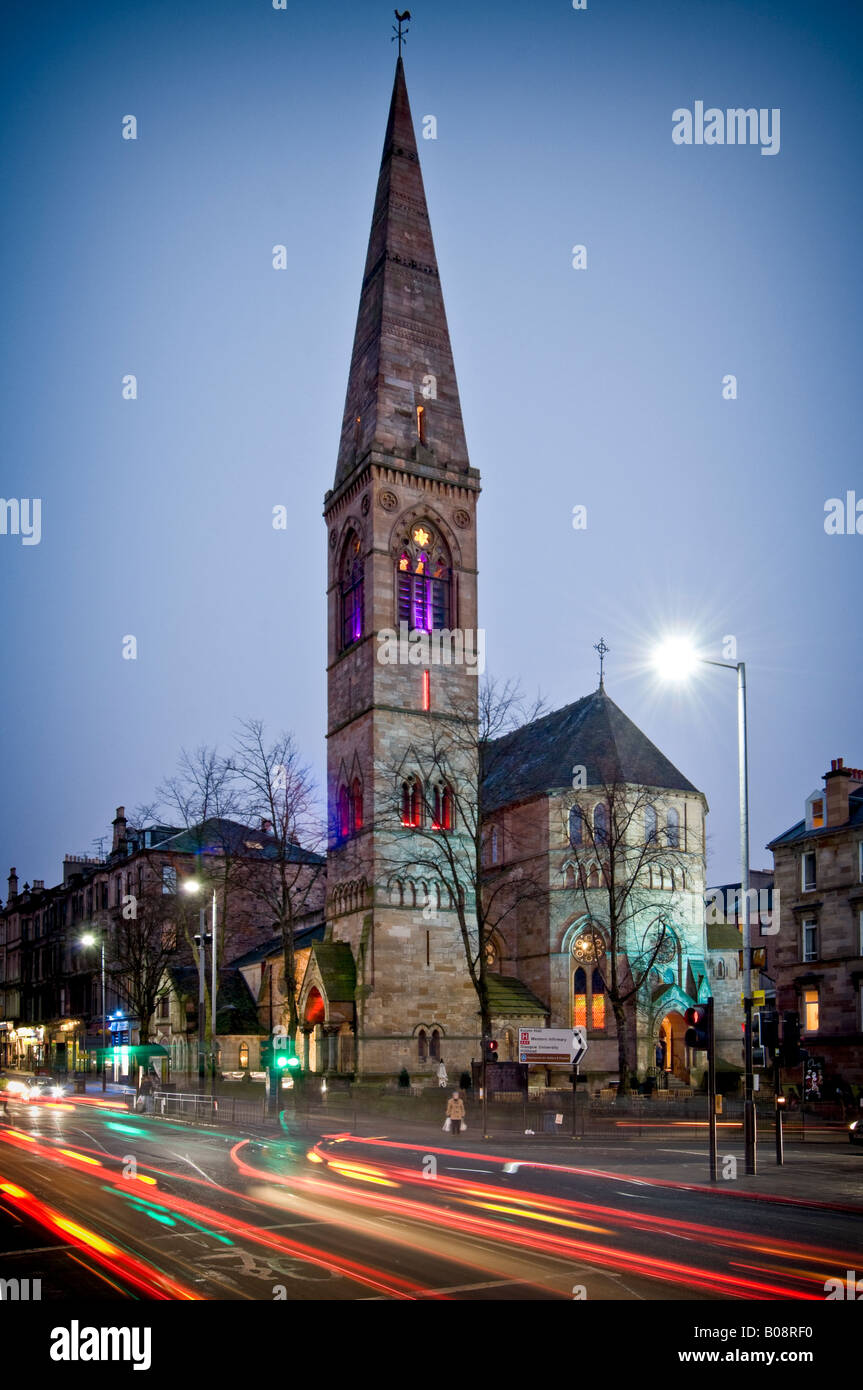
314	1013
672	1054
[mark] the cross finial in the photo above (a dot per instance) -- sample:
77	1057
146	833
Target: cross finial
602	647
397	33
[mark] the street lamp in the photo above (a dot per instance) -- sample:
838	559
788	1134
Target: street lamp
90	939
676	659
192	886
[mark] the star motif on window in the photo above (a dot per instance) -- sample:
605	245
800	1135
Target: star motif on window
421	536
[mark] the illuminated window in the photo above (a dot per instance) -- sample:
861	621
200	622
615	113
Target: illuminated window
672	829
579	999
817	814
597	1001
244	1056
421	424
344	814
412	802
442	815
423	578
351	588
810	1010
357	804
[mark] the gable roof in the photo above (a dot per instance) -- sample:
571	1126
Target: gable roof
508	995
593	732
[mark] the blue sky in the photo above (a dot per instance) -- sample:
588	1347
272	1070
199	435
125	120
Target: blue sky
599	387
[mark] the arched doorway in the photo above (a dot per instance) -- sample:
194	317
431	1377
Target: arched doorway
313	1018
672	1054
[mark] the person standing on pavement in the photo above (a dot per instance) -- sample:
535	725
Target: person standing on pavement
455	1112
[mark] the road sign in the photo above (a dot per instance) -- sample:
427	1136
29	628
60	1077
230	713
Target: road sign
552	1045
759	998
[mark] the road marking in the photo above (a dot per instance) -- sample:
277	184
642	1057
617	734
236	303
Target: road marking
184	1158
696	1153
621	1193
455	1168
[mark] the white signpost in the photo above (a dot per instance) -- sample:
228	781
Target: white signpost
552	1045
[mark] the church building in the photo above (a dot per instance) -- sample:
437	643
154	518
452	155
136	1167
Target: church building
382	990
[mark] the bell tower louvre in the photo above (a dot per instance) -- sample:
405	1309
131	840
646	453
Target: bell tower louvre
401	559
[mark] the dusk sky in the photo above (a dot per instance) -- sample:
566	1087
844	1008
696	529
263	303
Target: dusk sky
600	387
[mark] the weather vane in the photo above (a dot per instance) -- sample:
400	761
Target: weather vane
397	33
602	647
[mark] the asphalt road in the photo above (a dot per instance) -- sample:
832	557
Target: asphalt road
98	1203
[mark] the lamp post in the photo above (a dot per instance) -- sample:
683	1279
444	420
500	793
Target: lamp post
191	885
676	659
89	939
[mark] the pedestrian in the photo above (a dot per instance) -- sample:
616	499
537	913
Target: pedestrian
442	1077
454	1114
146	1093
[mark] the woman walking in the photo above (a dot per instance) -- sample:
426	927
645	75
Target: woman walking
455	1113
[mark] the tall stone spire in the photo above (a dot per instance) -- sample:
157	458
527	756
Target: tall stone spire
402	360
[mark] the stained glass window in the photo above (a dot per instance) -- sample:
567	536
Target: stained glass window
579	999
351	584
423	580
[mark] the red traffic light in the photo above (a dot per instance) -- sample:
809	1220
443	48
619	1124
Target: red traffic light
694	1016
492	1046
696	1035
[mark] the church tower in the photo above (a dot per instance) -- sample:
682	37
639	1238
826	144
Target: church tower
401	524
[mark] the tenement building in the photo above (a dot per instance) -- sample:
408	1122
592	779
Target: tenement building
818	956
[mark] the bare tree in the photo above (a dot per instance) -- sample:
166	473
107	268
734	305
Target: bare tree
286	874
143	943
434	798
624	868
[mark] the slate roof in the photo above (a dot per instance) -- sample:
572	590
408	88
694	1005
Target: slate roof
723	937
236	1011
221	836
799	831
303	936
508	995
338	970
592	731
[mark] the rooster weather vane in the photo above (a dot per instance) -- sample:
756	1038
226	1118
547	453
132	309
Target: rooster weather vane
397	33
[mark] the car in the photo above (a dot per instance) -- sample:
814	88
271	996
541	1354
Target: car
40	1088
855	1131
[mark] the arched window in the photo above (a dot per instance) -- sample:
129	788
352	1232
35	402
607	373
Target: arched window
423	579
720	969
579	999
422	1045
597	1001
442	809
672	829
344	814
351	590
244	1056
593	877
357	804
650	825
412	802
600	823
434	1045
575	826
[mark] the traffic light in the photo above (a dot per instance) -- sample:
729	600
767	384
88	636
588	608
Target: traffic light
791	1054
696	1034
490	1049
769	1029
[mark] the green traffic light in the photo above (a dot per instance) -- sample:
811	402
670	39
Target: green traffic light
281	1061
293	1061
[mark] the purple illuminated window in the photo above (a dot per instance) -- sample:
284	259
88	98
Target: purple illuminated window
423	580
352	592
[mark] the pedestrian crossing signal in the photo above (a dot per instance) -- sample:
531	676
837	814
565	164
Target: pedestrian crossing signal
696	1029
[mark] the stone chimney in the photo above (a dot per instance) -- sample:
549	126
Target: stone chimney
266	826
119	824
38	885
13	885
839	783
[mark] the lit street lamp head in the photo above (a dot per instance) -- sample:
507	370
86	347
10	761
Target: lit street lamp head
675	659
191	885
88	939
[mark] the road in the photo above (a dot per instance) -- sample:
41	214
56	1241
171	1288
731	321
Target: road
100	1203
